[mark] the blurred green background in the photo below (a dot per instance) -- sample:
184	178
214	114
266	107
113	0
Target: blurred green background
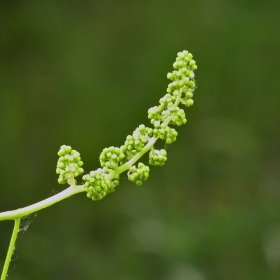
84	73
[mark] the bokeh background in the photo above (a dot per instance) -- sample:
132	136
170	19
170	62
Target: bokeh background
84	73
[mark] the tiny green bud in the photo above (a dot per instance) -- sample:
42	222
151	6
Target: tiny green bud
189	102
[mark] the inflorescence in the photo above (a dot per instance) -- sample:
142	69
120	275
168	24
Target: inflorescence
69	165
115	160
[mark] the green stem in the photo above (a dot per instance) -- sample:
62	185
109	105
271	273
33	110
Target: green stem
129	164
18	213
10	249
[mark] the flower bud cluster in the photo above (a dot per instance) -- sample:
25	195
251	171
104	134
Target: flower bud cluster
69	165
97	185
183	82
110	157
165	132
157	157
177	115
180	90
134	143
138	174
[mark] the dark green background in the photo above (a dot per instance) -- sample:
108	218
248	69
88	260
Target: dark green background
84	73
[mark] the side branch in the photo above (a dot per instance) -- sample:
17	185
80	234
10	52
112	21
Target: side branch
18	213
129	164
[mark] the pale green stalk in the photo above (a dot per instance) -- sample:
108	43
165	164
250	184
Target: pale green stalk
18	213
10	249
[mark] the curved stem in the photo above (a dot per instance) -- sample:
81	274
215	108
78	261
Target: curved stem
10	249
18	213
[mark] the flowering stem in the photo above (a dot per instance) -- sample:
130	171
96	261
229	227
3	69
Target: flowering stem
115	160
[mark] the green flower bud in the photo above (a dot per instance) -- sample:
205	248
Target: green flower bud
185	71
189	102
190	55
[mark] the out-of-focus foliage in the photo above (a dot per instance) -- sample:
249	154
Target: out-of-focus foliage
84	73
